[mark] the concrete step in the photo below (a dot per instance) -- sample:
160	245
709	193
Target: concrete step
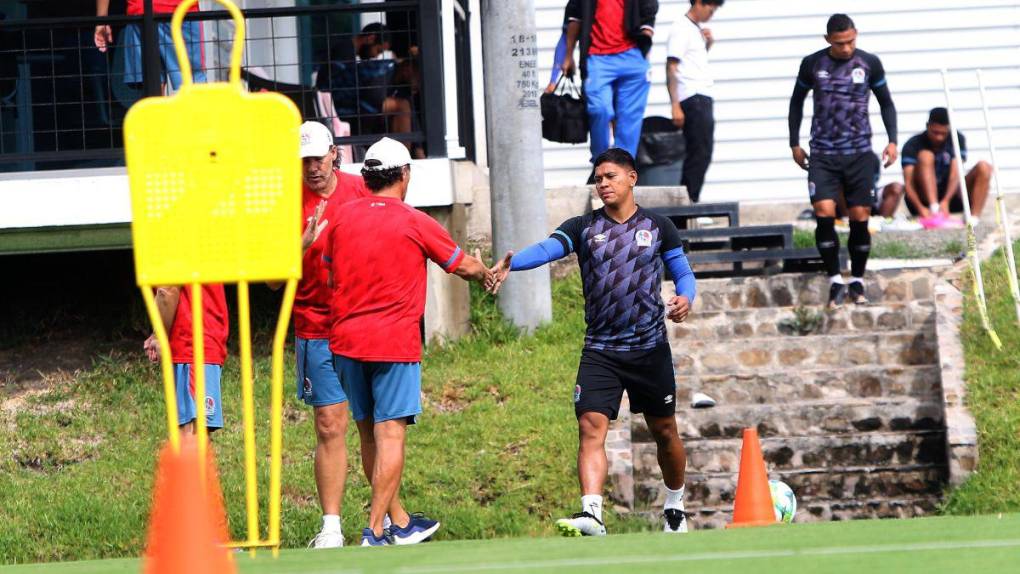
785	321
710	517
810	487
803	453
921	382
753	355
784	290
804	418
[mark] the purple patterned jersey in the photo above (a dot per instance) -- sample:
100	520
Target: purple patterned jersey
842	90
621	269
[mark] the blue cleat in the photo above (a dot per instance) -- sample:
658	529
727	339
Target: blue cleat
419	529
368	538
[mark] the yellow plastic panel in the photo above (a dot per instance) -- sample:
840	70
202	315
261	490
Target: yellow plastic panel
215	179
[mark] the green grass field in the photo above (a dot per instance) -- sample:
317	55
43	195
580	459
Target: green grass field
930	545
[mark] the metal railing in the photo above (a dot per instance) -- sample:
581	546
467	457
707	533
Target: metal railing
63	101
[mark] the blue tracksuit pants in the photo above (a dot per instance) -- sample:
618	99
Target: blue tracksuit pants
617	89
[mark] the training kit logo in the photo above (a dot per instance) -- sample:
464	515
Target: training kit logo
577	393
308	387
858	75
643	238
210	406
669	399
600	238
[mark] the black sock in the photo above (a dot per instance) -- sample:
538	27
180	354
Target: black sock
859	246
828	244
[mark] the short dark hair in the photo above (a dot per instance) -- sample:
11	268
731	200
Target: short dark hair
839	23
716	2
620	157
939	116
377	180
380	31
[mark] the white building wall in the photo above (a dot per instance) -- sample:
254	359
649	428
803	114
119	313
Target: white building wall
758	48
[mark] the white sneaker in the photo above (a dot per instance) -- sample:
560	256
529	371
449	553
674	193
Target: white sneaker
676	521
327	539
702	401
581	524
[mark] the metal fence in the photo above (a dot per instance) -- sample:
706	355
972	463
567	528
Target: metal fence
367	70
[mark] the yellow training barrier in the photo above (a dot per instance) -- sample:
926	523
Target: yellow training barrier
215	180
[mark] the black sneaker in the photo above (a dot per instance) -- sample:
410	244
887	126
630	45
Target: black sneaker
676	521
856	291
837	294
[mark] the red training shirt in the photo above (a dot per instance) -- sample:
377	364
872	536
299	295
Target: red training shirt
215	326
377	252
311	303
607	33
137	7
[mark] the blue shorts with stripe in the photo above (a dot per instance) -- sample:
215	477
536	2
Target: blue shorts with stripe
318	382
185	384
381	391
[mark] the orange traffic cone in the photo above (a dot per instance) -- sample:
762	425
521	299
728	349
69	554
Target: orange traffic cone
187	527
753	506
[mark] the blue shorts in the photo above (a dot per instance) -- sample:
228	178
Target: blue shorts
382	391
318	384
186	395
131	42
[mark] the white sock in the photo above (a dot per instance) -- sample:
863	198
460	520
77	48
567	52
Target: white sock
857	280
674	498
592	504
934	208
331	522
836	279
386	522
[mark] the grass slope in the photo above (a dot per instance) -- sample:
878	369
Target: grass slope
929	545
493	455
993	395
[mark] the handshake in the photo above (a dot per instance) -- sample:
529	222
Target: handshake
492	278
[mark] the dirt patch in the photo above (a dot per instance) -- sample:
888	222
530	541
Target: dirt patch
54	458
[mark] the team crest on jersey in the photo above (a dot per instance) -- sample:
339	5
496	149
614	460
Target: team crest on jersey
857	75
600	238
577	393
210	406
823	75
643	237
308	387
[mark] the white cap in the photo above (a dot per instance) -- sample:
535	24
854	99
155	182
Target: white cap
386	153
316	139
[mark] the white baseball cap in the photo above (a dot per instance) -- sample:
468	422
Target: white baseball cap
316	139
386	153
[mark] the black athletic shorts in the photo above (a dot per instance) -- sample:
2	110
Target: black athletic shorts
853	175
647	376
942	187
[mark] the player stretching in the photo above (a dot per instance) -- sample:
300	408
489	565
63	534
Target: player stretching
622	250
841	158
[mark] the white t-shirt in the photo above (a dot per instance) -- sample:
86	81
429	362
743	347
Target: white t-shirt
688	45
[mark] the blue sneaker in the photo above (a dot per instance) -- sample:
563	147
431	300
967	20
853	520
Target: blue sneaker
419	529
368	538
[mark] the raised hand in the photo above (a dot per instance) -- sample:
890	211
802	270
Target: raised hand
500	271
889	155
314	227
677	309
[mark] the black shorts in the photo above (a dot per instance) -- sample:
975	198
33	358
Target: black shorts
853	175
647	376
955	204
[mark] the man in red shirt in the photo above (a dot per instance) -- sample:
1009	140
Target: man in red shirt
615	36
131	42
377	254
174	305
324	191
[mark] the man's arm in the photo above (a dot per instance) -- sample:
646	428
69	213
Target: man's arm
805	81
910	190
167	299
880	87
103	36
573	32
471	268
683	281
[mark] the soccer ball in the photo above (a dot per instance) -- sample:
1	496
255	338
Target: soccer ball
783	501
